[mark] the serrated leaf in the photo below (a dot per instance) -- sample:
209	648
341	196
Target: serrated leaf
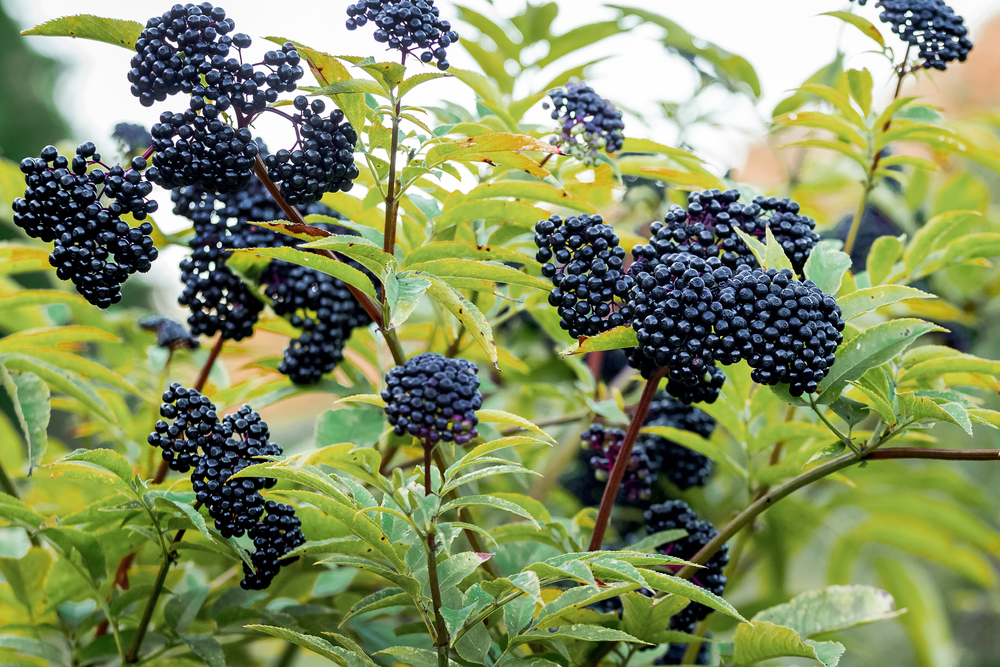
310	260
826	266
489	501
871	298
861	23
381	599
317	645
934	368
32	404
589	633
774	254
920	408
61	380
686	589
648	618
758	249
480	270
877	402
403	295
873	347
760	640
467	313
504	417
486	144
884	253
622	337
831	609
408	655
86	26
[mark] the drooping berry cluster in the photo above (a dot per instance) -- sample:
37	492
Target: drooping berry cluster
588	122
406	26
604	445
931	26
81	213
434	398
323	308
200	149
786	330
322	159
676	514
216	449
169	334
582	258
682	466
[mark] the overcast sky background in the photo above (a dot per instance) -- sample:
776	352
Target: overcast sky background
785	40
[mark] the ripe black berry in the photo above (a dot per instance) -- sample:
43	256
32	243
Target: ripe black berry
200	149
434	398
169	334
676	514
322	159
603	445
80	213
582	258
273	536
930	25
705	390
786	330
195	428
682	466
406	26
588	123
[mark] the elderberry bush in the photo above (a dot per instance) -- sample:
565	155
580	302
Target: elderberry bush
78	207
588	123
434	398
683	467
673	515
932	26
407	27
582	258
603	446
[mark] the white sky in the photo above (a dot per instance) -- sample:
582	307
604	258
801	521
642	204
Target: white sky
785	40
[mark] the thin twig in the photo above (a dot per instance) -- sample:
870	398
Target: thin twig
935	454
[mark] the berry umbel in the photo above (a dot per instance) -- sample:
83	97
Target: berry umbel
405	26
932	26
684	467
582	258
588	123
81	211
434	398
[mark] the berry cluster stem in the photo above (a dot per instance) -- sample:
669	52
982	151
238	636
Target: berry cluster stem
624	456
391	201
852	235
441	640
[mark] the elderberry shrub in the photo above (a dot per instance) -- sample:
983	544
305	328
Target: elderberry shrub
588	123
434	398
323	308
65	205
273	536
676	514
604	445
932	26
684	467
406	26
582	258
786	330
170	335
323	160
674	310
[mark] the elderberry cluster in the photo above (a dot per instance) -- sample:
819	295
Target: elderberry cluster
786	330
323	160
406	26
588	122
434	398
169	334
673	515
604	445
582	258
931	26
323	308
217	449
65	205
684	467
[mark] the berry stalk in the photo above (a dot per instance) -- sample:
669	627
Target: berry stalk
624	456
391	205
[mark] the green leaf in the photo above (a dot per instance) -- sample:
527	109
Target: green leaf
873	347
381	599
27	575
310	260
935	234
467	313
935	368
32	403
878	403
885	251
454	569
389	73
402	296
106	459
409	84
62	380
861	23
456	249
489	501
774	254
504	417
685	589
408	655
871	298
826	266
86	26
920	408
351	86
517	614
197	520
357	248
589	633
359	427
14	510
614	339
761	641
317	645
85	544
476	147
649	618
758	249
860	84
831	609
480	270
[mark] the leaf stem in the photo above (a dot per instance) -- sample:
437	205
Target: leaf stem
840	436
441	640
391	205
624	456
852	234
896	453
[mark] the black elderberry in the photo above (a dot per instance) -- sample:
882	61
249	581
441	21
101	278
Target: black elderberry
604	445
169	334
582	257
705	390
195	428
277	533
682	466
434	398
322	159
81	211
676	514
588	123
132	138
786	330
193	149
930	25
406	26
